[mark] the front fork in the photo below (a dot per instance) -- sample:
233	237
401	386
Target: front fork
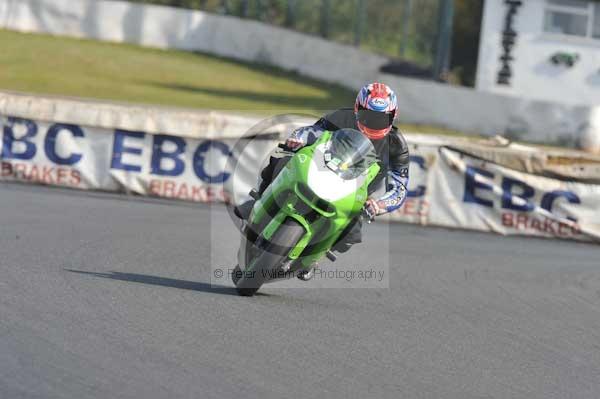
241	255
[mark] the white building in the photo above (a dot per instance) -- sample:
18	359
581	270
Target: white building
541	49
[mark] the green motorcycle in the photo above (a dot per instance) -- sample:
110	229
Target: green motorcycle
300	216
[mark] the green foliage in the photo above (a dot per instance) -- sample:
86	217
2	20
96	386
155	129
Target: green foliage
382	25
338	20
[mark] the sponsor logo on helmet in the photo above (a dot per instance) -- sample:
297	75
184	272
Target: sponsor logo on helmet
378	104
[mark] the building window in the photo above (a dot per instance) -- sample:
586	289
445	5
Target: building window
573	17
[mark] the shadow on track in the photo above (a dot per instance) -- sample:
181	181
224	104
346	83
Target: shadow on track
162	281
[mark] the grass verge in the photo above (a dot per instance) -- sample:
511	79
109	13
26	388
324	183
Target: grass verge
50	65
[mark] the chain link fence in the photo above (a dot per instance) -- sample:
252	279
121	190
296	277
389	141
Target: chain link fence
405	29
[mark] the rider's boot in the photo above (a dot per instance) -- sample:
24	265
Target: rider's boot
306	275
243	211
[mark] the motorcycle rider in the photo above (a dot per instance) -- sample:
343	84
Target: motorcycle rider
374	113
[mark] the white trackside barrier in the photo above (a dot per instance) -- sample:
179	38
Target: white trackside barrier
590	135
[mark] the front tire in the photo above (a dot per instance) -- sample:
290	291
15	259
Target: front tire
273	254
236	275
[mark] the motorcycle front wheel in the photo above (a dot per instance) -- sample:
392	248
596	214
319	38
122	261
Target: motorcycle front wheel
272	255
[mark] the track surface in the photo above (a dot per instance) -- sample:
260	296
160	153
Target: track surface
106	297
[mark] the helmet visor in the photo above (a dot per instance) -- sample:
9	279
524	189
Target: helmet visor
374	120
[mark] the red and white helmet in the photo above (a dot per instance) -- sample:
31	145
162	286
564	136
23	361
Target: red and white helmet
375	108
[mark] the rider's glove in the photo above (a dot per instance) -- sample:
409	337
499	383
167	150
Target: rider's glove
293	143
373	208
303	136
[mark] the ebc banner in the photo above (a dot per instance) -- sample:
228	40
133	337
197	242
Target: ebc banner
92	158
471	193
446	187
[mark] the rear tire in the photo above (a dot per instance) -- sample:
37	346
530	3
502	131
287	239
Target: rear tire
270	257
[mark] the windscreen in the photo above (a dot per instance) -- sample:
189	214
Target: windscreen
350	153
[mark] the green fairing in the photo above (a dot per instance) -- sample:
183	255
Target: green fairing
286	199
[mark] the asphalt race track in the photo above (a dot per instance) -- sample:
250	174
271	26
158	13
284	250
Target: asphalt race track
104	296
